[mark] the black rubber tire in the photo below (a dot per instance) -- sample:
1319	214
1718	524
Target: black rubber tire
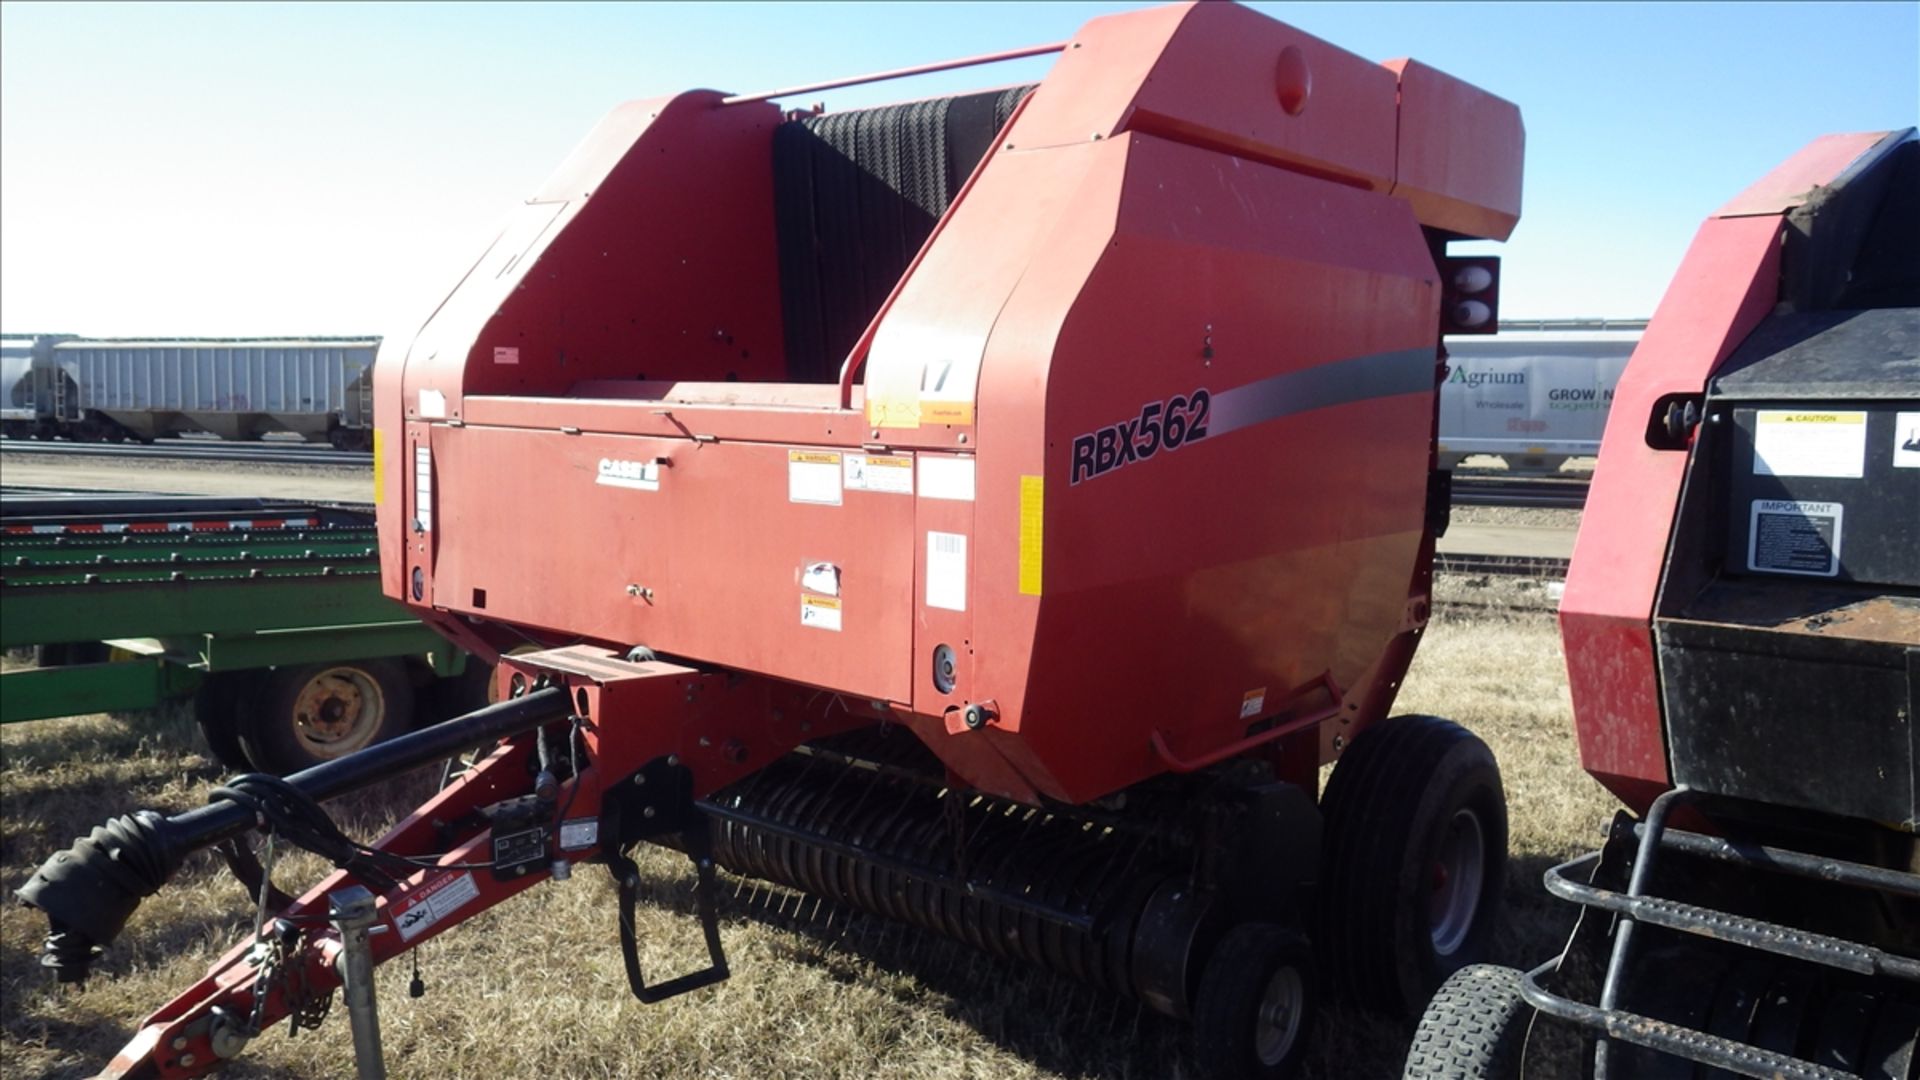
276	740
1391	800
216	708
1233	986
1475	1028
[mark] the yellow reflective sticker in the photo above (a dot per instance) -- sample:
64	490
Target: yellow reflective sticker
1032	516
379	455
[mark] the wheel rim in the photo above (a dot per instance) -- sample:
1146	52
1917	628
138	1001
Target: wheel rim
1276	1026
338	711
1459	877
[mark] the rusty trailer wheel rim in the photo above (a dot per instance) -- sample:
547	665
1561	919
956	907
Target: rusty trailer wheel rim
338	711
1459	877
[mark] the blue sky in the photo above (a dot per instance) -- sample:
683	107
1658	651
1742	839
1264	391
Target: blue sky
232	169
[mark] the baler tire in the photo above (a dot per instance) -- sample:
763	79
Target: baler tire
1396	800
1252	963
273	736
216	708
1475	1028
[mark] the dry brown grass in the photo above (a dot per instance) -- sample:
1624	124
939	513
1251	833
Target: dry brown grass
535	988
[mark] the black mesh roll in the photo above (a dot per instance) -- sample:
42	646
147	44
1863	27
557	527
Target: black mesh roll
855	195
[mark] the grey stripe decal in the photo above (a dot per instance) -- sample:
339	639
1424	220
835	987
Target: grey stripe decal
1342	382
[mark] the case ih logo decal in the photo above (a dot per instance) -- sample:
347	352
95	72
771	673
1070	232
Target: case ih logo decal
1161	425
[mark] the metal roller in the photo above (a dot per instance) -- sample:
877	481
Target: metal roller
1042	887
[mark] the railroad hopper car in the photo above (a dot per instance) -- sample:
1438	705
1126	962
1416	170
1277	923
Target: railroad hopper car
988	512
16	386
1533	398
92	390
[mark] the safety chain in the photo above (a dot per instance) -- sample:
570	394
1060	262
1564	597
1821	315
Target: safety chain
278	950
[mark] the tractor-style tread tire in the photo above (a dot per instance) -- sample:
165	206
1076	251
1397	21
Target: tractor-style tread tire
1232	987
270	734
1391	795
1475	1028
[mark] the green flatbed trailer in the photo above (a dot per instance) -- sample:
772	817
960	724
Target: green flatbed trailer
132	602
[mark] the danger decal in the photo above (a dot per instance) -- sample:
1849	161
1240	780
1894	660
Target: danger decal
1179	421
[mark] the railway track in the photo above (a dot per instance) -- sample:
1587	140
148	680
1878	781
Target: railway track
1460	562
180	450
1535	493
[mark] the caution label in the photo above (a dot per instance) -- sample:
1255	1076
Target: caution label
1252	703
1789	443
820	612
1788	537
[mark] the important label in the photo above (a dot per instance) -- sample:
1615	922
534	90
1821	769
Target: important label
1790	443
506	354
1787	537
1906	440
820	612
435	900
947	571
813	476
878	472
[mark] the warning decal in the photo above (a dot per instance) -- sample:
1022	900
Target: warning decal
1787	537
813	476
1252	702
820	612
1787	443
879	472
435	901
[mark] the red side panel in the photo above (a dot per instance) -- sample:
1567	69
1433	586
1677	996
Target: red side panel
1817	163
1222	76
1458	149
1726	284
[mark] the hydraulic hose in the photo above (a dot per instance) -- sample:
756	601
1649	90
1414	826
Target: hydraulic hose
90	890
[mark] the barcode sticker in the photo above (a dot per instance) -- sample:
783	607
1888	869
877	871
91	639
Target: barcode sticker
423	488
947	571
